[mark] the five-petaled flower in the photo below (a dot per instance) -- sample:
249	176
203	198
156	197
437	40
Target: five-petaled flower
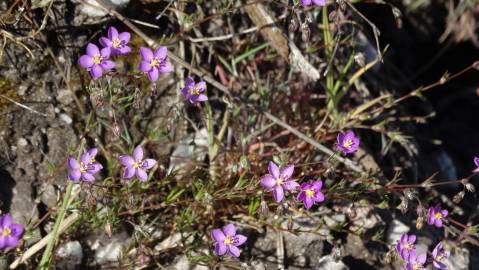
227	240
96	61
476	162
319	3
278	180
311	193
86	168
117	42
10	233
194	91
416	262
405	245
135	164
435	215
347	142
439	255
154	63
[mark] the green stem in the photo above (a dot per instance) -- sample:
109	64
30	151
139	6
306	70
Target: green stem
212	149
44	263
61	214
328	49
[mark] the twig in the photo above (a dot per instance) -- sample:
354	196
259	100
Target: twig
23	106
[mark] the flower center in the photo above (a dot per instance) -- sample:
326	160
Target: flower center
438	216
310	192
279	181
97	59
408	246
439	257
116	43
83	167
348	143
228	240
92	160
6	231
417	266
154	62
194	91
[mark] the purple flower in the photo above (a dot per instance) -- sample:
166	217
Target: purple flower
227	240
435	216
347	142
439	255
194	91
278	180
405	246
311	193
476	162
96	61
9	232
154	63
86	168
116	42
136	164
416	262
319	3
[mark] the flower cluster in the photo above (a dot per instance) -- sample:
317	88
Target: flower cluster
97	61
87	167
278	180
406	248
10	233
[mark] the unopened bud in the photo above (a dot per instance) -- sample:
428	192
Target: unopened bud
420	211
305	33
420	222
470	187
264	208
290	225
403	206
458	197
293	24
116	129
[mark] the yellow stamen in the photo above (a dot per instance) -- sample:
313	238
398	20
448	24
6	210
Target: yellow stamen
83	167
438	216
348	143
116	43
154	62
136	165
279	181
310	193
97	59
408	246
6	231
194	91
228	240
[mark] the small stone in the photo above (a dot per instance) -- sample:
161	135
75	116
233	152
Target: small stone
328	263
65	118
71	255
22	142
65	97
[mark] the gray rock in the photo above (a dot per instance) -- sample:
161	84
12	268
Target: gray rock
184	263
395	230
71	256
108	250
65	118
48	194
65	97
459	259
91	8
328	263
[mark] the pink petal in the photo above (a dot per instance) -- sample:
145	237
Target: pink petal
218	235
17	230
161	52
233	251
73	163
112	33
144	66
92	50
96	71
105	52
126	160
229	230
86	61
12	242
290	185
273	169
6	220
141	174
153	74
74	175
129	172
105	42
268	181
220	249
148	163
125	36
240	239
107	64
88	177
138	153
278	193
287	172
146	54
166	67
